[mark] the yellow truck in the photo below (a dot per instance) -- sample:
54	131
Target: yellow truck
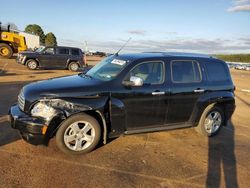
11	42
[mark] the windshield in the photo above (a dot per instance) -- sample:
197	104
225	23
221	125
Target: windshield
107	69
40	49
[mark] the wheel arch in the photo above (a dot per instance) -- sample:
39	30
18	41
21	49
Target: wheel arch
224	100
31	58
71	61
99	113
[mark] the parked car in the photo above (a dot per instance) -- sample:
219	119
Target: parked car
240	67
53	57
101	54
126	94
247	68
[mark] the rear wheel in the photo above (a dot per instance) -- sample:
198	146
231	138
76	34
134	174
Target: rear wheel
78	134
211	121
6	51
73	66
32	64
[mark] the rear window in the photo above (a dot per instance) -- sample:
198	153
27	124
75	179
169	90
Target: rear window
185	71
63	51
75	52
217	71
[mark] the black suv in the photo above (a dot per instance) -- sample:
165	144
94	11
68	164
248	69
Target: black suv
53	57
126	94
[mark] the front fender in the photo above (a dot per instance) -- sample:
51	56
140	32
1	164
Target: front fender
117	116
66	107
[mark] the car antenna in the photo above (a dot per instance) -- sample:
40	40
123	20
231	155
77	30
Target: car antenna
117	53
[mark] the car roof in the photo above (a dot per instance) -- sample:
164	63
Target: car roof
136	56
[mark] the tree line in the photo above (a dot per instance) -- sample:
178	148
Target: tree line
244	58
48	39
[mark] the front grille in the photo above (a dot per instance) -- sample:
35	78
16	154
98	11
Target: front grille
21	100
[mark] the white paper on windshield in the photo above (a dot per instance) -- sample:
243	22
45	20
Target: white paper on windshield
118	62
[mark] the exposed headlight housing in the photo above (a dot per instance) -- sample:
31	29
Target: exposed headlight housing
41	109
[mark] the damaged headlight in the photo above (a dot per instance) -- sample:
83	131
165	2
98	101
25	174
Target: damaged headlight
41	109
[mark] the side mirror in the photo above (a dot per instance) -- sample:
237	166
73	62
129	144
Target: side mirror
133	81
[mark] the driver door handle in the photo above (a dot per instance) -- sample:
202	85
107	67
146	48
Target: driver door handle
158	93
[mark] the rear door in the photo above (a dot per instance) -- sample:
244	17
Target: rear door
61	57
186	87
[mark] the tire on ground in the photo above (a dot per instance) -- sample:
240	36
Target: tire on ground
69	121
32	64
73	66
201	126
6	51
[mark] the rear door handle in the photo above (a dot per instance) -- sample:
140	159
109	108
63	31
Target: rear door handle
199	90
158	93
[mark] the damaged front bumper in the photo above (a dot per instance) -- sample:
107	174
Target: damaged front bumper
32	129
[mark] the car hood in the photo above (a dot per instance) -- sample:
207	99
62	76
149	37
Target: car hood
69	86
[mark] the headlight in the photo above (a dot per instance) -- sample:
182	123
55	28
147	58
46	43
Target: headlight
41	109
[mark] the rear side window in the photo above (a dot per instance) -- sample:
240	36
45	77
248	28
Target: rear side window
185	71
75	52
63	51
217	71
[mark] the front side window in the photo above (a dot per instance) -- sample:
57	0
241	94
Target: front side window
49	51
185	71
107	69
149	72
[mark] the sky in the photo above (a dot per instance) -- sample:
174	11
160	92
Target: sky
203	26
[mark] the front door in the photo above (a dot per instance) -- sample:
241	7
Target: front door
146	105
46	59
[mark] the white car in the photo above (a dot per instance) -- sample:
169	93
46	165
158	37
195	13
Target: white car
247	68
240	67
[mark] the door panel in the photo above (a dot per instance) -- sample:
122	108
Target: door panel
61	57
186	88
144	109
181	102
46	59
145	106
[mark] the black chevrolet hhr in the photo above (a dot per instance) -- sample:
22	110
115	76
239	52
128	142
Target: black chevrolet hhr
126	94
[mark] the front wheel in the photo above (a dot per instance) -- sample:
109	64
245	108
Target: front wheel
32	64
211	121
78	134
6	51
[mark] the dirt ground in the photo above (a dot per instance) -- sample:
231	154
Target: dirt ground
178	158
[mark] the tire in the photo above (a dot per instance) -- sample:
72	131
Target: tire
6	51
78	134
73	66
211	121
32	64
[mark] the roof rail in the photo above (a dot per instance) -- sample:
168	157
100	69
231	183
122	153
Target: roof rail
184	54
187	54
